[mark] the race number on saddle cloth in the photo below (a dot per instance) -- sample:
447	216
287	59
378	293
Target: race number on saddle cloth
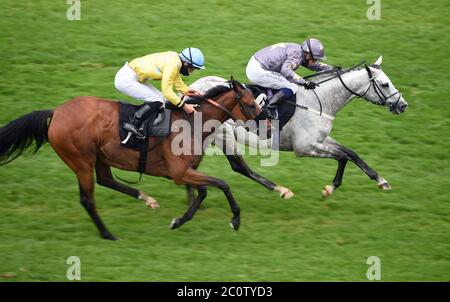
168	67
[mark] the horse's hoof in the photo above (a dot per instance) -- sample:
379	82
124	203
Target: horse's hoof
149	201
235	224
327	191
176	222
384	186
285	193
109	236
153	205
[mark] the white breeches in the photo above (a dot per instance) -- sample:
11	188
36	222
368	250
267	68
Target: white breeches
268	79
126	81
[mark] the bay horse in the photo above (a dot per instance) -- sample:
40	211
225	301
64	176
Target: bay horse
84	132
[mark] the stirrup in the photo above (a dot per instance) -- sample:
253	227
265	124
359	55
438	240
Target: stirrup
272	113
132	129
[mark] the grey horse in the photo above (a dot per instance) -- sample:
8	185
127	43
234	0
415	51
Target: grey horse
308	131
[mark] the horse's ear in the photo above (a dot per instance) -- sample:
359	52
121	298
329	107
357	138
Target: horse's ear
233	83
368	71
378	62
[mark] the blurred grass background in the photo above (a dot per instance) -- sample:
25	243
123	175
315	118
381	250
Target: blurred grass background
47	59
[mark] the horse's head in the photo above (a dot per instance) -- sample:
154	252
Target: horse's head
233	99
381	90
245	107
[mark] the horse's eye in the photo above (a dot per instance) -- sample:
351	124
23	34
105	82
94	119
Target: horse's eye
385	85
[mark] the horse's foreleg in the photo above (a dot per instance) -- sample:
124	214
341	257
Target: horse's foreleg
194	205
194	178
190	194
381	182
218	183
327	149
106	179
330	148
238	165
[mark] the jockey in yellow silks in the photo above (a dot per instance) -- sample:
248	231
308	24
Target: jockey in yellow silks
168	67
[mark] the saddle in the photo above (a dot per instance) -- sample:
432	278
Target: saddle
156	125
285	110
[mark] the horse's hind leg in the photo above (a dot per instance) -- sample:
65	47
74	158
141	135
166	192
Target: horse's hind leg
86	183
83	167
106	179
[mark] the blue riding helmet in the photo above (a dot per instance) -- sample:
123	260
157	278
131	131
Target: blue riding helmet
315	48
193	56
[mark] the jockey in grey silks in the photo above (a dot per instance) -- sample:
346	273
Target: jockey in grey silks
274	67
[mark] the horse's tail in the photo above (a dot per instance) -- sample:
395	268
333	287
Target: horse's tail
20	134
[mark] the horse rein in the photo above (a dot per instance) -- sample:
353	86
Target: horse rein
215	104
238	100
317	97
376	88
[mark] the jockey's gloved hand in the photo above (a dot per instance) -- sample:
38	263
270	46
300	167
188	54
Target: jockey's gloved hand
192	92
309	85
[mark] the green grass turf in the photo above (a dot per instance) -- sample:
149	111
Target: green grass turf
46	59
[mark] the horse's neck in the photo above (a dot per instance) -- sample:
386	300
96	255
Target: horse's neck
335	96
212	115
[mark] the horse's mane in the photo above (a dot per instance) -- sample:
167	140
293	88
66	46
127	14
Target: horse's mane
324	75
222	88
317	77
215	91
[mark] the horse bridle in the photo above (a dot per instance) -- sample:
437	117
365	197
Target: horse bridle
376	88
238	100
378	91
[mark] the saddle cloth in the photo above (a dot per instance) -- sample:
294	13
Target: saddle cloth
156	125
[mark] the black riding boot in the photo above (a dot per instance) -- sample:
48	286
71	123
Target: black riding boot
134	125
274	101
